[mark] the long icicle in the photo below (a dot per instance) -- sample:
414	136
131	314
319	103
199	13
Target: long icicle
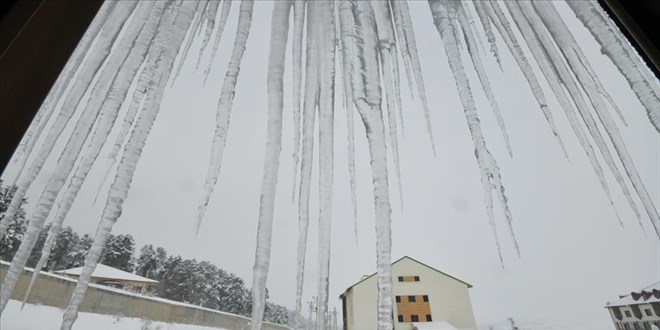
402	8
169	42
103	46
278	40
225	105
569	48
47	108
500	21
402	39
307	156
72	149
325	17
614	45
367	98
481	72
348	31
108	116
224	13
386	46
490	176
298	25
554	81
573	89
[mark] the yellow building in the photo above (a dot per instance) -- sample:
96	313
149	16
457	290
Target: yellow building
424	298
113	277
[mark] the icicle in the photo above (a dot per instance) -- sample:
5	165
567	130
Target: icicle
278	40
169	47
211	13
481	72
196	24
298	25
311	94
323	14
111	105
490	36
91	66
348	31
554	81
72	149
401	7
224	13
386	44
367	98
42	117
570	49
614	45
500	21
402	41
567	80
490	176
224	106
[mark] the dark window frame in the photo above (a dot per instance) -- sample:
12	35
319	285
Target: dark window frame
429	318
412	299
416	278
425	298
400	278
414	318
400	318
398	299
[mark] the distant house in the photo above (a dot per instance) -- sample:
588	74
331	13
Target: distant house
637	310
424	299
113	277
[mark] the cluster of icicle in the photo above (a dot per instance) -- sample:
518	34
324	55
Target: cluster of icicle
138	43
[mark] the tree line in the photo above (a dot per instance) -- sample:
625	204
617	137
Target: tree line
185	280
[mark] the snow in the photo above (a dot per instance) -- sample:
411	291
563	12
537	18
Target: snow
37	317
103	271
442	325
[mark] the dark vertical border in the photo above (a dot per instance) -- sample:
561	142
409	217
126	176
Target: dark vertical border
37	38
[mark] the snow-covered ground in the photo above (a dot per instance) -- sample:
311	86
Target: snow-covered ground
38	317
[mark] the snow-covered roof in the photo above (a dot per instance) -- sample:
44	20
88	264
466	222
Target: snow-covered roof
442	325
103	271
647	295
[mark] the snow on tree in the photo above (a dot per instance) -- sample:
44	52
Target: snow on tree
119	251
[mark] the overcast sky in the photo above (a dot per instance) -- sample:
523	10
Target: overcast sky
575	256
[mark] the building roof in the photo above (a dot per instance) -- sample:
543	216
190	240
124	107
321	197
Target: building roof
647	295
107	272
364	278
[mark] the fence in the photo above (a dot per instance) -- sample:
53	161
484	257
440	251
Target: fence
54	290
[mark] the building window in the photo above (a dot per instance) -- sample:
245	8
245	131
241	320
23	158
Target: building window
628	314
400	278
400	317
416	278
414	318
428	318
398	299
426	298
626	326
648	312
411	298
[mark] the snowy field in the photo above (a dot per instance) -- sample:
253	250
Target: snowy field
37	317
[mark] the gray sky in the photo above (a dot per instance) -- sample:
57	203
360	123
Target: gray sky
575	256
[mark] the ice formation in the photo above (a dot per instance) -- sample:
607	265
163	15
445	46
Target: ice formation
146	45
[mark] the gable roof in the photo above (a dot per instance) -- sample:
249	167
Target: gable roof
419	262
107	272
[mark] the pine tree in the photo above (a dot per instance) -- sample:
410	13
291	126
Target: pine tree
10	242
119	251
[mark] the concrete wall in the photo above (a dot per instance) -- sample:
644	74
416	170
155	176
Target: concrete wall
53	290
